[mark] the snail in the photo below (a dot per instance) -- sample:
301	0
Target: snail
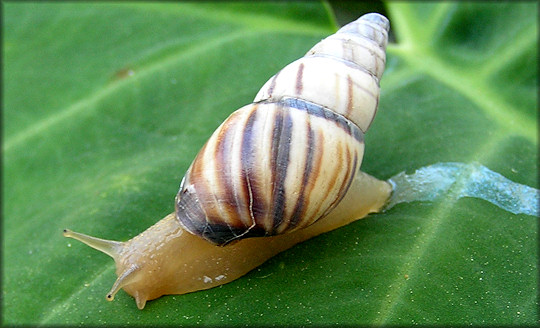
276	172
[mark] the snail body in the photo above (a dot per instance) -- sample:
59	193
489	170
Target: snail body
276	172
166	259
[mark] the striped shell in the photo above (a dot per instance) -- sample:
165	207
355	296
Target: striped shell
287	159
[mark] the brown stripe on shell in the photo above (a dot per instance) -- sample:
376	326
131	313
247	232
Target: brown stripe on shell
350	95
316	169
353	172
346	181
280	148
272	85
360	86
374	111
274	148
248	160
334	178
303	202
215	185
339	159
299	76
223	187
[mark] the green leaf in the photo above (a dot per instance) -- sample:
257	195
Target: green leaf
106	105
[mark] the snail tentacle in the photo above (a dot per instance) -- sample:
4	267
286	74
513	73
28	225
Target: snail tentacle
125	278
109	247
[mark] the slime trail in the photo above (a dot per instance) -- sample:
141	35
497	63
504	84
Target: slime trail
459	180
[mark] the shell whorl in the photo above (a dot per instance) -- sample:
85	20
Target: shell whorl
341	72
287	159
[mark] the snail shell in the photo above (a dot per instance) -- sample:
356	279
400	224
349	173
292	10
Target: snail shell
285	167
283	162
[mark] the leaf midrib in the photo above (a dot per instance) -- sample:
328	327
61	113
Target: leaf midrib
415	49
